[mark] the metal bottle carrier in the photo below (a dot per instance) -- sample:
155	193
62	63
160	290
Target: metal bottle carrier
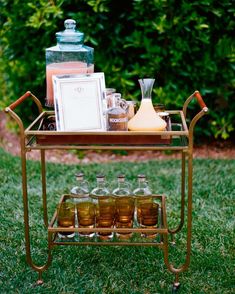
179	138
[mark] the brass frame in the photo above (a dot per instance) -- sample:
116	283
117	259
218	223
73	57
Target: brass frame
27	143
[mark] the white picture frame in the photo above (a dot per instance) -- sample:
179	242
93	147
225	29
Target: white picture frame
79	102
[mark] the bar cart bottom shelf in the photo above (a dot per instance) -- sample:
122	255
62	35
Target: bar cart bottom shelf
159	240
154	235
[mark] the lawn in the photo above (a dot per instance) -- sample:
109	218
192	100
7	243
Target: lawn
120	269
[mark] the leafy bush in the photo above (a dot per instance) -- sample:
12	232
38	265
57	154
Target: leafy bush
185	45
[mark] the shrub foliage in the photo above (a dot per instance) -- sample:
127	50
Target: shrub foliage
185	45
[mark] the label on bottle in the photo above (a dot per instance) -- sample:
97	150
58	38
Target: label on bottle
117	122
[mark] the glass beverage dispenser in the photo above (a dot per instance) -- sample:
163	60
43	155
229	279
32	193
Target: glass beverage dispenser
69	56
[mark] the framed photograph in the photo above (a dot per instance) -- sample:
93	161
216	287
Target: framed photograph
79	102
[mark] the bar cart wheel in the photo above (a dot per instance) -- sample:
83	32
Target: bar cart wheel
175	287
39	282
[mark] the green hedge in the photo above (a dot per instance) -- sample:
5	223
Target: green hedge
185	45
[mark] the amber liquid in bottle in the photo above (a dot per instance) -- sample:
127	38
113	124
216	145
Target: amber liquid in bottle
105	208
66	218
125	206
146	208
105	216
85	206
86	216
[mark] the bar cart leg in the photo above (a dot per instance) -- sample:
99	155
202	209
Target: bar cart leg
23	151
180	226
170	267
29	260
185	265
43	177
43	268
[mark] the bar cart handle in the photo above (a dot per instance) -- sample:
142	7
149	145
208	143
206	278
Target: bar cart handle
200	101
23	98
204	110
10	109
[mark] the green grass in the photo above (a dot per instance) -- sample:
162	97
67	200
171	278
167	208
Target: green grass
120	269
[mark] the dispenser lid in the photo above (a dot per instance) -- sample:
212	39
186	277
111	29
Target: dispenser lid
70	36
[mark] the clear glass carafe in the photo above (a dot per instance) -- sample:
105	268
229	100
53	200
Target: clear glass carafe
146	118
69	56
125	206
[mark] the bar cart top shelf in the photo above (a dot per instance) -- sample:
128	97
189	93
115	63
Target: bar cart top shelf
178	136
175	135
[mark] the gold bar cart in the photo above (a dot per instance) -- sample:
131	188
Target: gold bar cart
179	138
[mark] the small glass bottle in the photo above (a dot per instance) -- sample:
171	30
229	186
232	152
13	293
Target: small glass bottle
125	206
117	114
146	208
143	188
84	204
81	189
105	207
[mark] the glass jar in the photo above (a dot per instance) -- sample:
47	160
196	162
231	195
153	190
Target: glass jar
69	56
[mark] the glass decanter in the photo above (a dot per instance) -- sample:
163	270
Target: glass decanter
146	118
69	56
